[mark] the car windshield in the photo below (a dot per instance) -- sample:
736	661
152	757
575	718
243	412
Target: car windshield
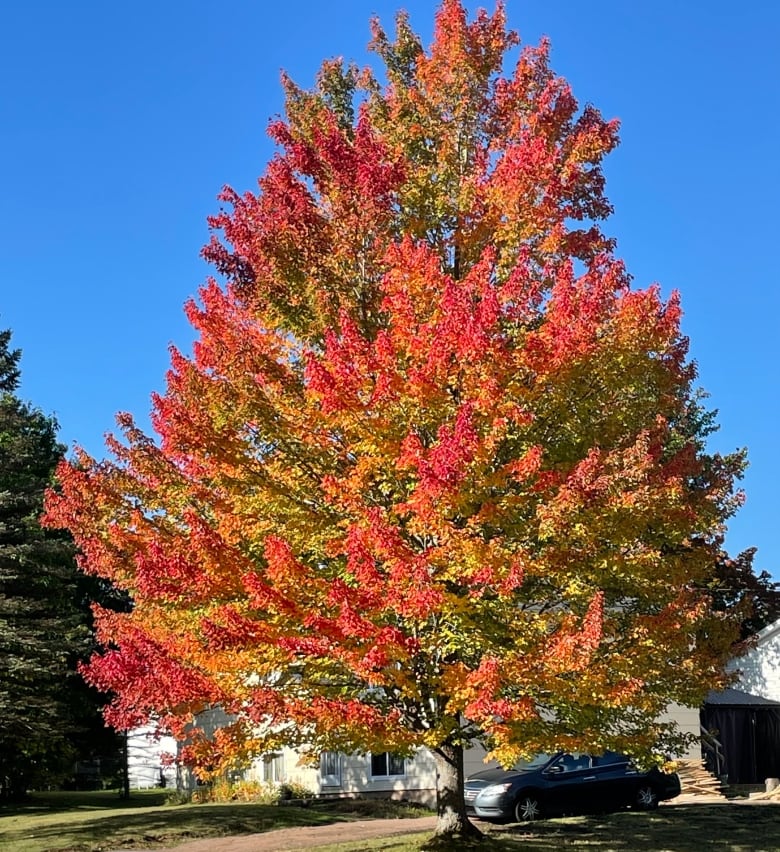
535	762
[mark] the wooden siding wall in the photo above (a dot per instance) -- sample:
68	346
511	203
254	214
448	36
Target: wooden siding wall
760	667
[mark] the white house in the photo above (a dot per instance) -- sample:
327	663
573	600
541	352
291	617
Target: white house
377	774
380	774
759	668
148	763
745	720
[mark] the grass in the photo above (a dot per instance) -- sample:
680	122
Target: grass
681	828
92	822
89	822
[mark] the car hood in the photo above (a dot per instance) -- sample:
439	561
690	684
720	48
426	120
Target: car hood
494	776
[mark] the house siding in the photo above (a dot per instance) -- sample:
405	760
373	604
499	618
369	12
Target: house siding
417	783
149	759
688	722
759	668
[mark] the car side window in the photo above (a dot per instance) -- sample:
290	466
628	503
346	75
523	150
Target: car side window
610	758
572	763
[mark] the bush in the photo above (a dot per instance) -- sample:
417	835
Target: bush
178	797
294	790
224	790
260	792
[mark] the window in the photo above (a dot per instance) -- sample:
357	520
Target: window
385	765
573	762
330	768
273	768
610	758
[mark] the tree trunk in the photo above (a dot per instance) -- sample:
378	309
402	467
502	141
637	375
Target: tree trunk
450	804
125	794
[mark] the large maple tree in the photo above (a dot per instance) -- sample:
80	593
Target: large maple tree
434	472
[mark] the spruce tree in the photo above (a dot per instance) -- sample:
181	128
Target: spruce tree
40	626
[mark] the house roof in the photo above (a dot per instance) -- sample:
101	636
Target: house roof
737	698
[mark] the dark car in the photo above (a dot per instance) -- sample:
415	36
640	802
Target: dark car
566	784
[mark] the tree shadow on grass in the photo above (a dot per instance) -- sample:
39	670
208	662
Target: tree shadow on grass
158	826
60	801
681	828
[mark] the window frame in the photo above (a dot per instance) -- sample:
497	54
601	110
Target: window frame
330	779
389	758
273	768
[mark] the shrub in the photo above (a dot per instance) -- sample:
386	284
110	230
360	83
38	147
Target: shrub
294	790
178	797
224	790
260	792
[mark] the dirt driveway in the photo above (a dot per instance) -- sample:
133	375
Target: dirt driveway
308	837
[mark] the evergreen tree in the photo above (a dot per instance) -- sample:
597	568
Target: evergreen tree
41	630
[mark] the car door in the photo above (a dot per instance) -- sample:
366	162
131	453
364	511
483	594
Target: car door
616	780
570	786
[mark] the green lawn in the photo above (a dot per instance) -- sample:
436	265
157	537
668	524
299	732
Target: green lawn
681	828
88	822
101	821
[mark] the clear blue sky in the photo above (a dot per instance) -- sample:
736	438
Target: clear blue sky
119	123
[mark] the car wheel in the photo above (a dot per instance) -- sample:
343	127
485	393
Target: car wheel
528	808
646	798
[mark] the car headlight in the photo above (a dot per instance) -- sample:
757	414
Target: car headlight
496	789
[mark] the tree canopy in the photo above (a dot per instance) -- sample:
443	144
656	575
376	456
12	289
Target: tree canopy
435	472
737	589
